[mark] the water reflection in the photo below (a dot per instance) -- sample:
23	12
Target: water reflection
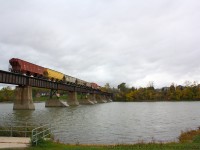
22	115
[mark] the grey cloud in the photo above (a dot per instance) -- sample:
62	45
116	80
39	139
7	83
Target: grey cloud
107	40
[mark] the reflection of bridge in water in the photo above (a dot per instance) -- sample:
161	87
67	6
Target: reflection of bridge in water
24	98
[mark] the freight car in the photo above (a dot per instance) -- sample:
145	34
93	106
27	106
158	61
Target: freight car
30	69
70	79
80	82
53	75
95	86
24	67
88	84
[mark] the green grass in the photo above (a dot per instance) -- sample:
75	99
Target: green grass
42	98
150	146
196	139
189	140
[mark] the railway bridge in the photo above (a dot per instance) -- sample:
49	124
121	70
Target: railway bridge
23	99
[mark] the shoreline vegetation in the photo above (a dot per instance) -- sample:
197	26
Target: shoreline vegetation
189	92
189	140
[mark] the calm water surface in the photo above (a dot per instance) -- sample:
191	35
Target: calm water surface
112	123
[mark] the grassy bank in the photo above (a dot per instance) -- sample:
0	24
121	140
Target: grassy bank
150	146
189	140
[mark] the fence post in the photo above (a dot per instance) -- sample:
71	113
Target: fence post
50	130
43	133
32	139
36	137
26	129
11	134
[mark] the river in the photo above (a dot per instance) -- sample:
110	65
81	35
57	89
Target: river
112	123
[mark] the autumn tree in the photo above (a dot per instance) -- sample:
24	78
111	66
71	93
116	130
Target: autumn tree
7	94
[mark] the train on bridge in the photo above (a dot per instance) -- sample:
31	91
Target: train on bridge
23	67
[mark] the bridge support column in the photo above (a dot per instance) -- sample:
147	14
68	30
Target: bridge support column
54	100
92	97
104	98
100	99
85	100
109	98
24	98
72	99
55	103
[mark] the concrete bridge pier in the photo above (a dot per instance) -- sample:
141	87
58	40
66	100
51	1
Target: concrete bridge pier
92	98
54	100
72	99
104	98
24	100
100	99
55	103
109	98
85	100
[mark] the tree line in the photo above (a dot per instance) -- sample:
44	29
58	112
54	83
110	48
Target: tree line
7	94
190	91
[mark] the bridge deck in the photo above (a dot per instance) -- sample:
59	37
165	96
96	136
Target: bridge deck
18	79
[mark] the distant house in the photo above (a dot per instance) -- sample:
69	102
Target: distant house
165	88
40	94
180	87
158	90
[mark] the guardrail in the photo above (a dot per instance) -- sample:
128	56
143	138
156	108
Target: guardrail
40	133
24	129
21	129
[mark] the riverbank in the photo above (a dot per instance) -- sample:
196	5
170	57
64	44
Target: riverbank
150	146
189	140
158	101
41	100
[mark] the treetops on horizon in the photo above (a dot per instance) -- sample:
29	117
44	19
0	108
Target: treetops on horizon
190	91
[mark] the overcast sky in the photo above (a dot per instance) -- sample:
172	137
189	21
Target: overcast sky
104	41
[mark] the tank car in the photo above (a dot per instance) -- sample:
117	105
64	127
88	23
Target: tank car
24	67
